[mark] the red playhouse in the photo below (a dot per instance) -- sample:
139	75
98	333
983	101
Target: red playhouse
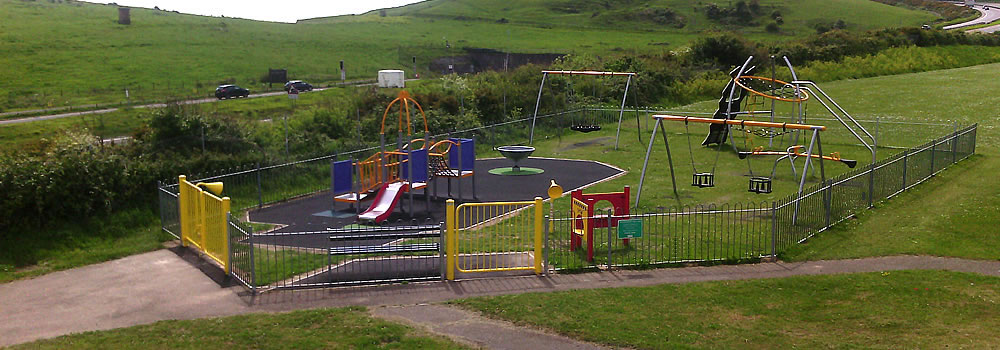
584	220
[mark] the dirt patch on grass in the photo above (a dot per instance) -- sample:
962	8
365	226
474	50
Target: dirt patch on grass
598	141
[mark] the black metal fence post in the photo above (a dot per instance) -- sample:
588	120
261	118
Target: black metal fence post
610	238
906	155
954	147
260	192
774	228
933	147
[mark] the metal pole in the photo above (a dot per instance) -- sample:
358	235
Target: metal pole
442	254
260	199
358	112
253	263
670	160
906	154
774	228
610	237
545	243
531	136
645	163
954	145
805	171
621	111
770	141
286	136
933	146
828	190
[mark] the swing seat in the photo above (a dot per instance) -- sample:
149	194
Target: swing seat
585	128
760	185
703	180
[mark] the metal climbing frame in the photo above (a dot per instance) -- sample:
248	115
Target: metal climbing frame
621	110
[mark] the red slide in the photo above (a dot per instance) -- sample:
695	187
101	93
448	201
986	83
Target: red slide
385	202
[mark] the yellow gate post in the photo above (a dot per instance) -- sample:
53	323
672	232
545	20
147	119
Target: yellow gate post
185	220
538	235
224	223
451	242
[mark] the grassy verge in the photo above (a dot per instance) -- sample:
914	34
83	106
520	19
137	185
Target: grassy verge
30	254
950	215
905	309
344	328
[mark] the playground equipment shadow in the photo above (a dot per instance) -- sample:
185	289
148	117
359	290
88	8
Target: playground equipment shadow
319	212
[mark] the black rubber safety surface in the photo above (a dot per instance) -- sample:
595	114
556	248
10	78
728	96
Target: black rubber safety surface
319	212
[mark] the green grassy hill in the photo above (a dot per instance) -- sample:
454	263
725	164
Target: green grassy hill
799	15
81	55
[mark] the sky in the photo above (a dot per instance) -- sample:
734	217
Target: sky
269	10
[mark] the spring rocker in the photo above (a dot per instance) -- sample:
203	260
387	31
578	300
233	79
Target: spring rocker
584	220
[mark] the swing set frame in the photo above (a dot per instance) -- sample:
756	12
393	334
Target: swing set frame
621	110
660	118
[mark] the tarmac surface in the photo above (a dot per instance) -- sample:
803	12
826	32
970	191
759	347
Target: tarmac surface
174	284
318	212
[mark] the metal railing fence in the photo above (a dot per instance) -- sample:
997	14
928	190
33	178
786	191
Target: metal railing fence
263	261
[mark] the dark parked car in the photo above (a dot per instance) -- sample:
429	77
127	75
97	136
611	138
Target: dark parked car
299	85
230	91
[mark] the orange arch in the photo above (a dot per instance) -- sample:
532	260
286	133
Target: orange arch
404	110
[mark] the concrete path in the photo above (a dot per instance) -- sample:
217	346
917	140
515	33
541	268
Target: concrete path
139	289
470	328
163	285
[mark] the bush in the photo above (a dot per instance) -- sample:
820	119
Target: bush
725	49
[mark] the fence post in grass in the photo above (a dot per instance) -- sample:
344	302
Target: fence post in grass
933	146
906	155
954	145
260	196
774	228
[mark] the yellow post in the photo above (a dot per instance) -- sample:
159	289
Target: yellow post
451	241
225	232
538	235
182	196
203	219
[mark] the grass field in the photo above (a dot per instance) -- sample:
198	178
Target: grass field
899	309
82	56
344	328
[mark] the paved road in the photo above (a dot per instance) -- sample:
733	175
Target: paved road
165	285
151	105
109	110
986	16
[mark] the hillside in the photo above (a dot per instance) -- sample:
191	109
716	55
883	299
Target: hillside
81	55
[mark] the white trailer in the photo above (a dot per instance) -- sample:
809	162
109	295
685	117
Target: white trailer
391	78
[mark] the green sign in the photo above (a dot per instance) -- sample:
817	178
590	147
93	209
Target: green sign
630	228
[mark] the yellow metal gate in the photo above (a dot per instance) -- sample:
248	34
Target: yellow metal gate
204	222
492	237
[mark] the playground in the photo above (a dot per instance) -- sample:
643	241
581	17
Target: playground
773	162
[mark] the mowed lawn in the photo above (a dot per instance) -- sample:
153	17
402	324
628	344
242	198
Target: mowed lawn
888	310
342	328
